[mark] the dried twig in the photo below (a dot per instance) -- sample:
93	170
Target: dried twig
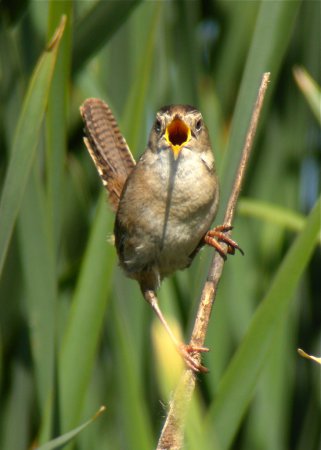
173	429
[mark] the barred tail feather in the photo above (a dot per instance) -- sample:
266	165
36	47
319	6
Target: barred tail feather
107	147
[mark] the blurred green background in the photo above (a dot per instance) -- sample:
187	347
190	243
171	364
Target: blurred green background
75	334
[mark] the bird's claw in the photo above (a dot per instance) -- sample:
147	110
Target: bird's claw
186	351
217	234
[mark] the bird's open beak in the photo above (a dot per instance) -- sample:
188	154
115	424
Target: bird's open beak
177	135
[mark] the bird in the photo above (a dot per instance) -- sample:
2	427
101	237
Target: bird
165	203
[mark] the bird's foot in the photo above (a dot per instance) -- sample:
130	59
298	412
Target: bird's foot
188	353
212	238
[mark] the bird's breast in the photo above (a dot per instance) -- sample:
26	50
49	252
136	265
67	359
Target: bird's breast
166	208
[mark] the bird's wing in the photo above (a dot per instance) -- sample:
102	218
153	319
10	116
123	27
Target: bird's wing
107	147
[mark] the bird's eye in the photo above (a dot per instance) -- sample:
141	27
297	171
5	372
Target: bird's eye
198	125
158	126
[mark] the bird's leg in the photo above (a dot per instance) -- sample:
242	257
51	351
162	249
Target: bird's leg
184	350
212	238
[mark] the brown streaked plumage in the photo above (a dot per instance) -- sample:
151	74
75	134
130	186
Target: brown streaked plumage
164	204
107	147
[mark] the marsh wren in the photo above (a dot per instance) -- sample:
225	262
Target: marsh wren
165	203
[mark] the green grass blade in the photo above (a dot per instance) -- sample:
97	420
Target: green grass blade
271	213
238	383
310	89
67	437
135	111
25	141
135	418
86	317
17	408
275	214
40	292
272	32
96	27
56	118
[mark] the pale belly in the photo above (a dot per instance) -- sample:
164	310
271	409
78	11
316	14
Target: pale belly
170	221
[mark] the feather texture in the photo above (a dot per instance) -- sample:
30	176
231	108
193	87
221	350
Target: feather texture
107	147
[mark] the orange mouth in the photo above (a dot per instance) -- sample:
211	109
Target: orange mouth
177	135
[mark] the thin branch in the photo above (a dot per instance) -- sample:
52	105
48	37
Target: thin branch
172	434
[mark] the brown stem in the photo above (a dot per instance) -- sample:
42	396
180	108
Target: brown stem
172	434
